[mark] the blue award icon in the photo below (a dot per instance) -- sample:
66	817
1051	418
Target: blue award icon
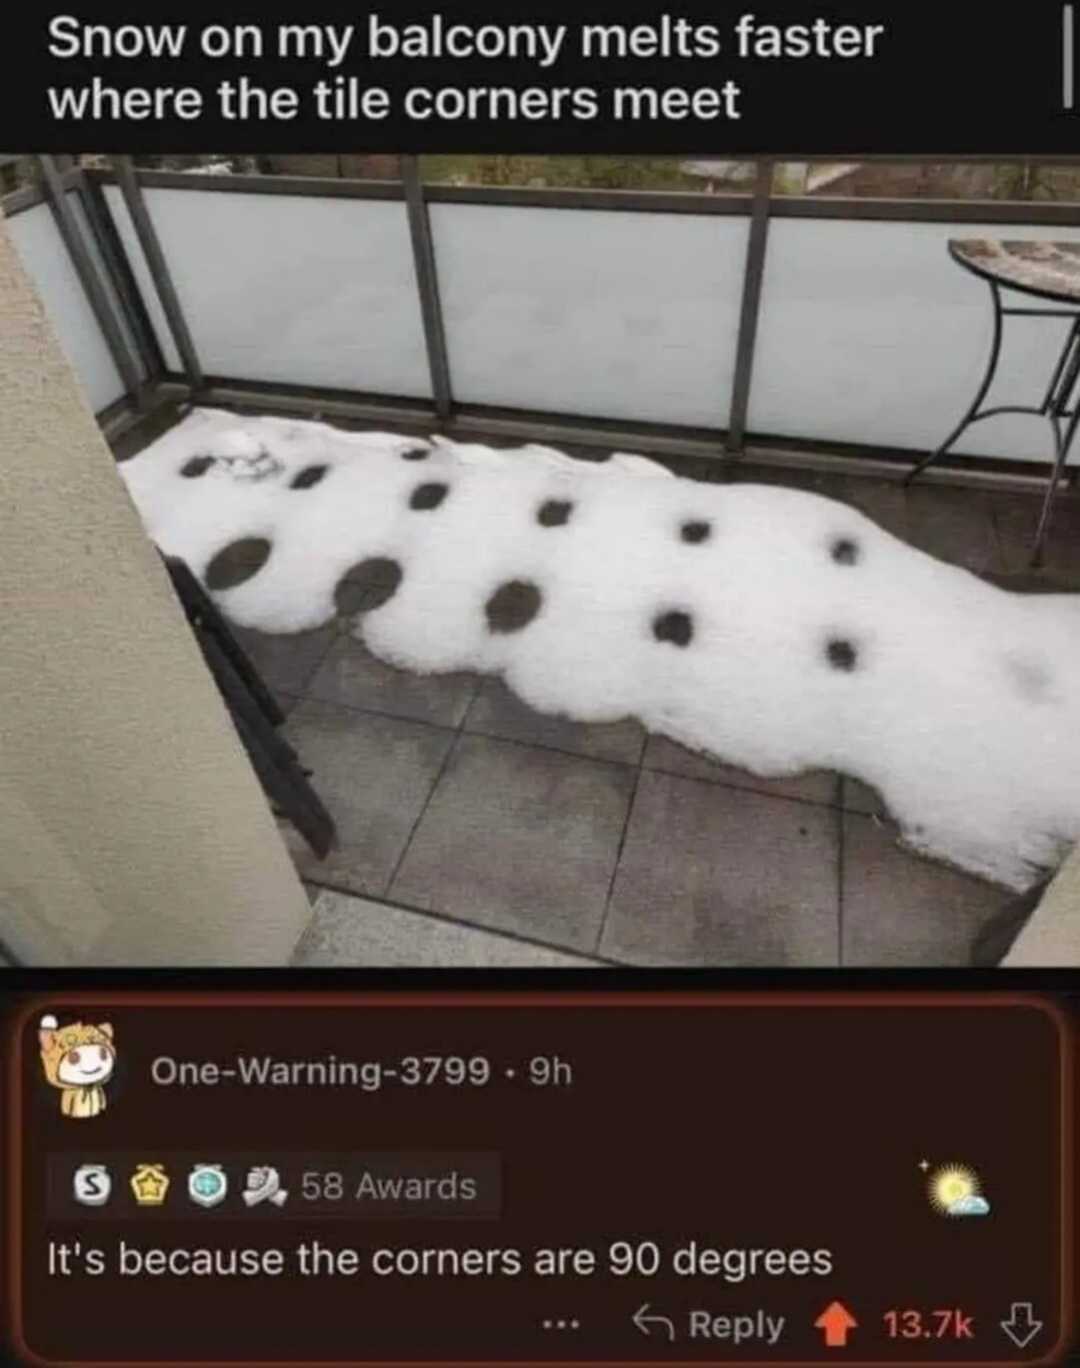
207	1184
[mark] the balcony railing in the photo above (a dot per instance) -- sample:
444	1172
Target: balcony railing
670	321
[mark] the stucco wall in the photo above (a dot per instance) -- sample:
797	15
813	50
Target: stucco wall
132	829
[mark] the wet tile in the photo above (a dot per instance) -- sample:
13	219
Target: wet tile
519	839
818	786
345	930
374	774
1016	517
498	712
955	525
855	796
711	875
286	661
352	676
882	501
900	910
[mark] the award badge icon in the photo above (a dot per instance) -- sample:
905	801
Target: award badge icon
150	1183
207	1184
264	1185
92	1185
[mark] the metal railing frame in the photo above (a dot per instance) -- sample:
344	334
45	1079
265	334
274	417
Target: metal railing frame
760	205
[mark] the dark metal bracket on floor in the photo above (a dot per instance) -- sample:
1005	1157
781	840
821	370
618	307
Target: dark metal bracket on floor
255	714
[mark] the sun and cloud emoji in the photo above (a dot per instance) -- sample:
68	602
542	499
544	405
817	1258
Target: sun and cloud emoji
955	1190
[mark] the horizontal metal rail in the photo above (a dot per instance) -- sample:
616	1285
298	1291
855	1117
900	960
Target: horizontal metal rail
657	439
28	196
1042	213
318	187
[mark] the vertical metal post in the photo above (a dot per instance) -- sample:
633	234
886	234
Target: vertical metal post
751	305
427	281
121	275
159	270
85	269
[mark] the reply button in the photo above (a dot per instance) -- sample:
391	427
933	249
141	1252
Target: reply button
738	1329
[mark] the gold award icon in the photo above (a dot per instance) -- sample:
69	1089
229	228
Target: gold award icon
150	1183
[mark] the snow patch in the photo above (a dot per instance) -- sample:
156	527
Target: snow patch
792	634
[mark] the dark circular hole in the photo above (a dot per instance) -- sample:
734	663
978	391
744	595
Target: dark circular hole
695	532
198	465
367	585
513	606
237	562
310	475
416	454
842	654
428	496
844	551
554	512
676	627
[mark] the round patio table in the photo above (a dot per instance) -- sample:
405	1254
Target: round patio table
1044	270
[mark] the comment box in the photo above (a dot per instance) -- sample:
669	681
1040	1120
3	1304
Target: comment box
539	1178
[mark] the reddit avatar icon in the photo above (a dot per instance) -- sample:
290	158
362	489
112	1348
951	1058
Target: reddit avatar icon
78	1060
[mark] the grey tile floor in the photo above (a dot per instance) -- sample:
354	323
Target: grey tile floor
473	830
491	830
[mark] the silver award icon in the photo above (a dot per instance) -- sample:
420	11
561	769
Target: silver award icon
264	1185
92	1184
207	1184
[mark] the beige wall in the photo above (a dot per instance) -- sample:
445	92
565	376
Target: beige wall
132	830
1052	935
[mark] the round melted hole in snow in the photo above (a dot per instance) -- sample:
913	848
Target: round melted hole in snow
512	606
841	654
554	512
198	465
310	475
367	585
676	627
695	532
427	496
237	562
844	550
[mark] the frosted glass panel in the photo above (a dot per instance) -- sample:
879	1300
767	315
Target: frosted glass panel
870	333
590	312
124	227
75	200
41	249
301	291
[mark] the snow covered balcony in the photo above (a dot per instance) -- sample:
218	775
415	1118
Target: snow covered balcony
817	344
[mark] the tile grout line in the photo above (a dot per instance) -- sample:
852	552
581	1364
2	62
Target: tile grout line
637	765
457	733
618	857
445	917
443	766
460	729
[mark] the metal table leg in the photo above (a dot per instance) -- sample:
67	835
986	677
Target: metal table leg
1055	406
972	414
1058	410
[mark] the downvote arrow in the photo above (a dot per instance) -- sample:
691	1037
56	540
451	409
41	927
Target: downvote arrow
1021	1327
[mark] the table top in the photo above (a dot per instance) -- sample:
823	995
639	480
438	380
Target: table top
1050	270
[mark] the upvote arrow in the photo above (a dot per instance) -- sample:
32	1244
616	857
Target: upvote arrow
1021	1327
836	1322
